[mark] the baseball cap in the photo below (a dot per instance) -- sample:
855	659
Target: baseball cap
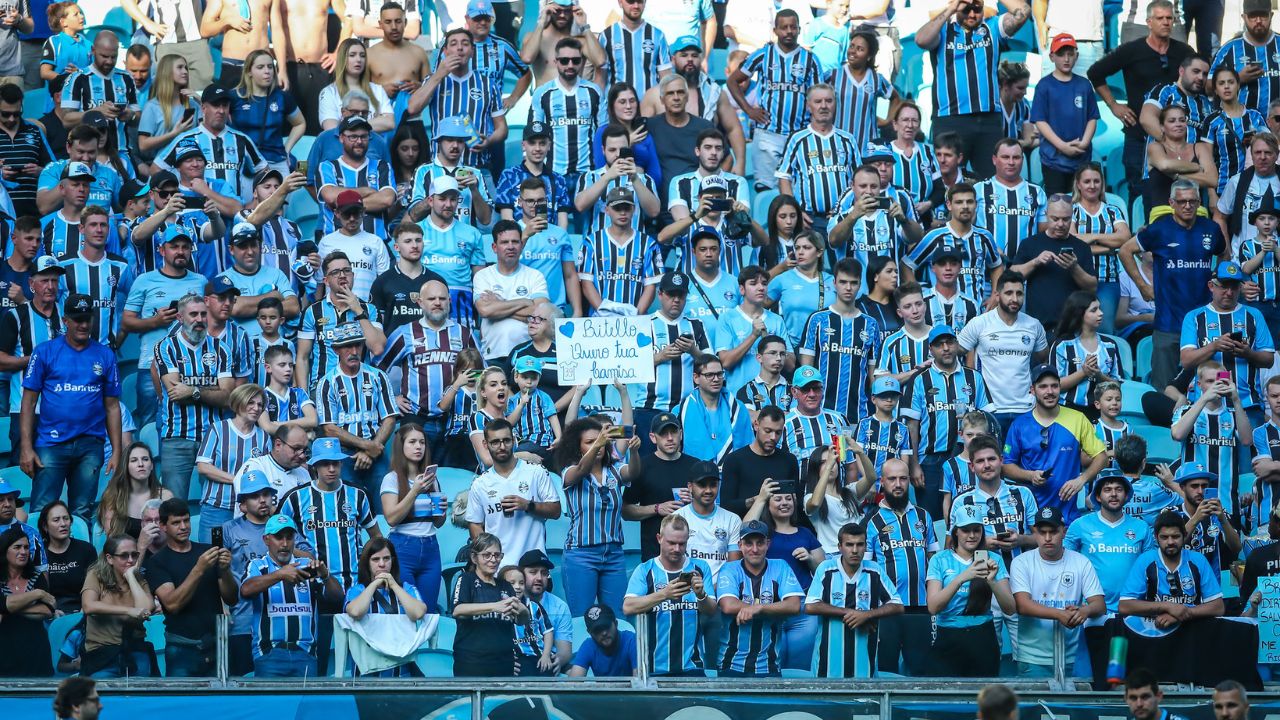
348	199
266	175
444	184
1113	477
875	152
704	470
947	252
755	527
254	482
132	189
713	183
940	331
451	127
77	305
177	232
1048	515
1230	271
1256	6
663	421
187	149
96	120
279	523
1044	369
220	285
48	264
535	558
7	489
674	281
347	334
1061	40
527	364
354	122
620	196
966	516
326	450
685	42
537	129
245	232
215	94
161	179
805	375
704	231
1194	471
479	8
77	171
563	3
886	384
599	617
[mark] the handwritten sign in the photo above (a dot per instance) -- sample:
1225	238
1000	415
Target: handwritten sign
604	349
1269	620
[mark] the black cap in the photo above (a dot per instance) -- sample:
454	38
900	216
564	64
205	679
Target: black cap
599	617
353	122
96	120
947	252
674	282
265	175
663	421
1048	515
161	178
537	129
1043	369
703	470
535	558
133	189
77	305
1113	477
215	94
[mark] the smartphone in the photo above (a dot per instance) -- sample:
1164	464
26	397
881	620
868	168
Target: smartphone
626	152
174	306
883	203
1048	472
1210	494
306	247
215	536
785	487
982	556
462	173
1066	250
302	166
1006	535
1224	375
1149	469
189	114
720	204
628	431
687	337
685	577
1237	336
540	209
642	123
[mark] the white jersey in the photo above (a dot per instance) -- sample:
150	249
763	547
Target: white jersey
1071	580
1004	356
367	253
712	537
499	337
520	531
279	478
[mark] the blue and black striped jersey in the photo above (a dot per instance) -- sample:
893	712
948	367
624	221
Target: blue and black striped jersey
1069	356
841	652
197	366
819	167
635	56
964	68
956	312
938	400
978	256
1229	137
1108	220
620	272
283	614
1268	273
372	174
232	156
845	353
88	88
334	524
883	440
781	79
901	544
573	114
1205	324
1010	214
1213	444
1238	52
673	380
106	282
856	103
916	172
226	448
753	648
1199	106
356	403
475	97
675	638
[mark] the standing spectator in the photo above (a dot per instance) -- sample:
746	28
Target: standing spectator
716	423
1176	155
176	27
742	331
1066	115
785	71
452	247
256	283
818	162
764	461
103	87
415	508
535	145
620	172
454	90
98	275
707	98
1145	63
1101	225
68	558
712	529
487	609
355	172
677	341
684	191
673	588
548	250
1210	523
340	307
802	289
662	486
505	294
842	343
64	49
191	580
1248	190
827	35
232	157
1007	510
169	111
560	20
1083	358
514	499
287	594
1009	207
636	52
914	166
974	247
26	604
1055	264
1184	246
328	146
358	408
1083	21
675	131
22	328
1006	341
570	133
243	536
859	87
351	72
70	376
756	595
1051	586
1252	56
116	602
396	292
227	445
262	110
1189	92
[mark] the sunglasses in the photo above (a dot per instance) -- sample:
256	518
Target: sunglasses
569	60
10	114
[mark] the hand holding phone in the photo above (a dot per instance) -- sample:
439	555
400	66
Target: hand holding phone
215	536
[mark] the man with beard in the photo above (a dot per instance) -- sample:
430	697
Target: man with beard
574	108
231	155
474	204
21	330
663	485
455	89
537	568
151	308
338	307
636	52
195	380
355	405
1055	263
356	172
505	295
364	249
1007	510
512	500
255	281
1186	586
76	382
77	698
105	88
683	190
243	538
535	145
395	292
101	275
705	99
1189	92
756	594
219	296
1255	56
609	651
560	20
901	539
747	469
957	239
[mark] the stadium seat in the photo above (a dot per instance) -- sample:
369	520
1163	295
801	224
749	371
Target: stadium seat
129	390
760	207
449	575
79	528
1131	392
148	434
18	480
4	435
454	480
1161	447
446	631
1139	213
1142	360
59	628
1126	354
155	632
435	662
1119	202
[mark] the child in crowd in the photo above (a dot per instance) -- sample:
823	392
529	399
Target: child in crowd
905	352
957	476
537	427
534	639
882	434
769	387
459	401
270	317
1258	259
1211	431
286	404
1107	400
1065	112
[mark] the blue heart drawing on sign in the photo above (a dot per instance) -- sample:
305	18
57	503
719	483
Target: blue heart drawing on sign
567	329
643	340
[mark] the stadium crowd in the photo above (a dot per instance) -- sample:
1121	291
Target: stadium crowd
896	424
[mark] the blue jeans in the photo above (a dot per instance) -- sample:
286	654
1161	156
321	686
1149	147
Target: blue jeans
795	647
1028	670
145	394
370	481
420	564
594	571
210	518
284	662
140	660
177	460
1108	299
77	463
184	658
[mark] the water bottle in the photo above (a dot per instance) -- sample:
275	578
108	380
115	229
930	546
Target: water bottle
1116	661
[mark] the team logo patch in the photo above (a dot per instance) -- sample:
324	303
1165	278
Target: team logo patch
1207	241
209	359
721	534
523	486
97	369
1068	579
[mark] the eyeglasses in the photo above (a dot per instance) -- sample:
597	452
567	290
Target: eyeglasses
339	272
1061	197
535	319
500	442
811	390
489	556
8	114
713	375
1185	201
297	448
128	555
569	60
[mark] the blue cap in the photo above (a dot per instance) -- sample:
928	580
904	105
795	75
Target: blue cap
278	523
805	375
1194	471
966	515
1043	369
1230	271
77	171
563	3
940	331
527	364
327	450
886	384
220	285
7	489
754	527
704	231
874	152
254	482
479	8
176	231
451	127
48	264
684	42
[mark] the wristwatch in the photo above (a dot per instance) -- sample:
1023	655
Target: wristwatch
195	393
364	315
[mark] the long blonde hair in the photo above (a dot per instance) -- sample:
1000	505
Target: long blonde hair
246	78
165	90
481	401
340	72
116	497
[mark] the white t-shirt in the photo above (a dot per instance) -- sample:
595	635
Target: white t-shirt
367	253
422	505
828	530
1252	199
279	478
499	337
521	532
1069	581
1138	305
1081	19
1004	356
331	103
712	537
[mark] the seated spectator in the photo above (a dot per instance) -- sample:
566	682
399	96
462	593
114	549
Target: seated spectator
1083	357
1185	586
491	404
961	582
487	609
68	558
535	639
153	537
116	603
1211	431
607	651
1209	530
133	483
850	597
227	445
328	146
9	504
378	590
537	568
415	508
25	604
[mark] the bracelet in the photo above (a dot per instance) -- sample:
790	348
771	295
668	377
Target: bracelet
700	599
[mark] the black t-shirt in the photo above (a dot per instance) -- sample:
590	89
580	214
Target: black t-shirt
1263	562
488	638
744	472
196	619
1049	285
66	573
1143	69
657	479
396	297
675	147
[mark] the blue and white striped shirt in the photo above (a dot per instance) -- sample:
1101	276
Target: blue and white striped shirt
753	648
475	96
426	174
319	322
781	79
199	366
87	89
964	68
635	56
1010	214
106	282
232	157
1107	221
573	114
356	403
939	400
226	448
917	173
283	614
856	103
841	652
819	167
534	422
620	272
333	523
595	510
373	174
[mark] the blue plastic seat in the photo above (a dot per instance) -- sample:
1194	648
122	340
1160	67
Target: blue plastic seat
59	628
149	435
1161	447
1142	360
1119	202
436	662
760	206
1131	400
79	528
